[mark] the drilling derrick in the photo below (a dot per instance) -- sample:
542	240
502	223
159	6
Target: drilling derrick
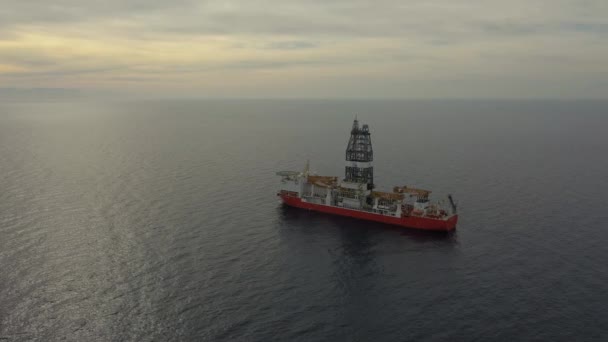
359	156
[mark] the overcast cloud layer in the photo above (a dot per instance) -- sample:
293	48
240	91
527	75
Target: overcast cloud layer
273	48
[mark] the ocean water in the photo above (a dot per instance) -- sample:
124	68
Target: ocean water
158	221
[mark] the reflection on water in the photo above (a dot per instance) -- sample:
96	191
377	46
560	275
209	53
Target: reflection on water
355	244
355	258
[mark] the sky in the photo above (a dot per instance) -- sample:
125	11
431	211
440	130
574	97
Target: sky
307	49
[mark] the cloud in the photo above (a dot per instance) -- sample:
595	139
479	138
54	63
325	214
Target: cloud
289	17
291	45
216	45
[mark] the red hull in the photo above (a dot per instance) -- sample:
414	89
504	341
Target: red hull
416	222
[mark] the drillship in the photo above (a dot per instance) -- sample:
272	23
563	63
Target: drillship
355	197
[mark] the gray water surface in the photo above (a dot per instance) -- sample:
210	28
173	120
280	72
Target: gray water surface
158	220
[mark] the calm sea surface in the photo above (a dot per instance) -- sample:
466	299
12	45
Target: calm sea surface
156	221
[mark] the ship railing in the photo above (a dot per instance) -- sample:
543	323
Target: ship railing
289	193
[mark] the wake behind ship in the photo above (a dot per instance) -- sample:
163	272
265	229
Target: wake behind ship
354	196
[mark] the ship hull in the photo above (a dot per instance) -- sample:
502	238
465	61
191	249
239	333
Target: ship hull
414	222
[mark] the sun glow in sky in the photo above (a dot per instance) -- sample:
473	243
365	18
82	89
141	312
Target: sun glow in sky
287	48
